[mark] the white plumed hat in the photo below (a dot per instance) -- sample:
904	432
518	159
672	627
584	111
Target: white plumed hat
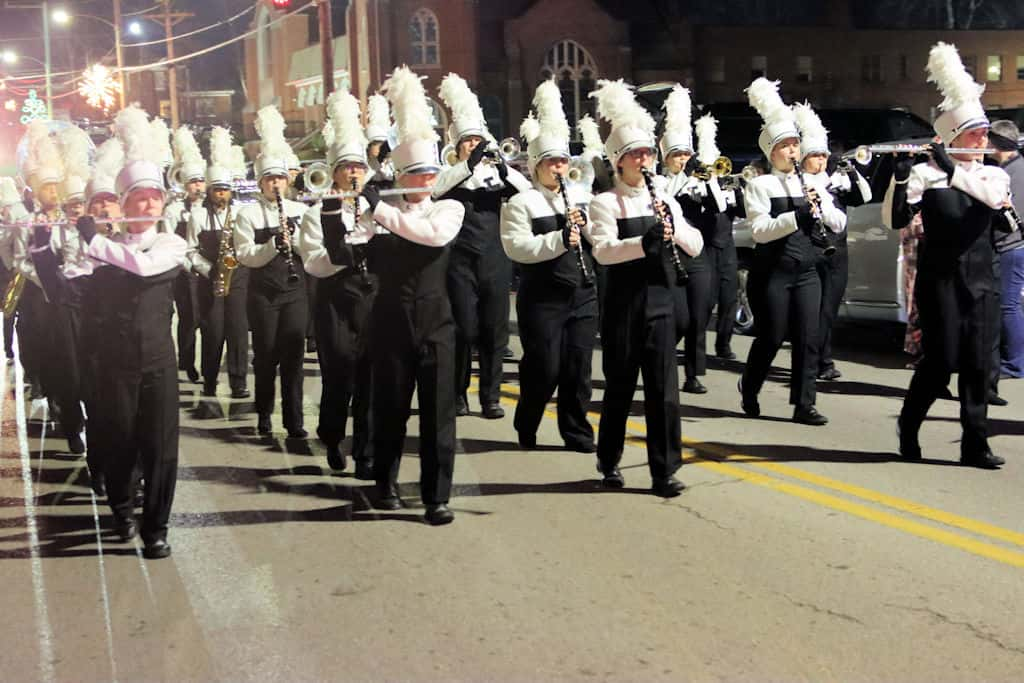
348	143
961	107
43	163
238	167
378	118
416	151
275	152
187	155
218	173
143	153
632	126
76	148
707	143
678	135
779	122
547	136
109	160
163	153
9	195
813	136
467	116
590	134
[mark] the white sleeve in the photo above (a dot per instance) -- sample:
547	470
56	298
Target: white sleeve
686	237
310	246
436	228
196	260
450	178
249	253
763	227
518	240
988	187
603	233
22	259
831	215
518	180
167	253
864	186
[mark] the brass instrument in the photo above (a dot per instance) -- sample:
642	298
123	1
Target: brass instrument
819	233
666	221
721	167
581	262
863	154
286	232
12	294
449	155
735	181
317	178
227	261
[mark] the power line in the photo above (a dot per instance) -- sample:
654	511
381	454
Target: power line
163	41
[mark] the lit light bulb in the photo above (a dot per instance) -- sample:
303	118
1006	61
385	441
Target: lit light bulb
60	16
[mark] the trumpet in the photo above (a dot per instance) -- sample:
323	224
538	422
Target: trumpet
317	177
734	181
313	197
721	167
508	150
175	180
227	261
863	154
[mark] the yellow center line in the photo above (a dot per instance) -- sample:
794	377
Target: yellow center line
950	538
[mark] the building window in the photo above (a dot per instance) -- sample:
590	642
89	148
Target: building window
871	68
576	74
904	68
716	69
993	68
971	65
1020	67
758	66
423	38
804	69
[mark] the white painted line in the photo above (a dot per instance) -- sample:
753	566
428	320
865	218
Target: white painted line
103	588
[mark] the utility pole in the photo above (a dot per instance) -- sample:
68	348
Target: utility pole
46	48
326	46
170	19
123	94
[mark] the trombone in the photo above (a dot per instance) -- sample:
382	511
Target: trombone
863	154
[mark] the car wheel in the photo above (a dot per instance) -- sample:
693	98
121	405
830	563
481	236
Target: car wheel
744	315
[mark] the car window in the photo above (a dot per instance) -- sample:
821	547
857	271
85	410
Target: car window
902	125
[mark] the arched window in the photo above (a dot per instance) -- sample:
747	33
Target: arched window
424	39
576	74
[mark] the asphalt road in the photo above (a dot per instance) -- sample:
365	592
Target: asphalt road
796	554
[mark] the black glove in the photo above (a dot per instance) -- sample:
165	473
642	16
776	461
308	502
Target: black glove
942	159
334	240
372	196
86	226
40	236
476	155
901	166
652	239
804	218
691	165
502	169
384	152
331	205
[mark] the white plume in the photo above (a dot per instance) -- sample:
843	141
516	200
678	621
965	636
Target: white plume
947	71
270	126
186	149
808	121
413	116
678	111
547	102
590	134
463	102
378	114
42	150
75	145
707	147
109	160
220	147
345	118
764	97
161	142
8	191
133	130
328	133
529	129
237	163
616	104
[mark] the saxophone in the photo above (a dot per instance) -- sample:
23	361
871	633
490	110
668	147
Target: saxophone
227	262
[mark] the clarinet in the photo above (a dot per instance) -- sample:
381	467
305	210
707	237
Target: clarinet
356	248
581	262
666	221
819	234
286	250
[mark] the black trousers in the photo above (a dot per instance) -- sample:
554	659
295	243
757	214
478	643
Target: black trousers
834	273
35	338
311	285
341	319
956	335
414	349
5	277
224	321
638	336
722	265
278	321
784	300
478	285
187	306
67	328
140	416
558	329
692	312
93	374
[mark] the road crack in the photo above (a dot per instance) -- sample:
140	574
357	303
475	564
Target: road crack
979	633
698	515
822	610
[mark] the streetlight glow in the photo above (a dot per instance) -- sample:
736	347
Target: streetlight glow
135	28
9	57
60	16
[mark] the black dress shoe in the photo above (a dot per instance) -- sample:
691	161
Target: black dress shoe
995	399
809	416
75	444
297	433
192	374
692	385
98	484
725	354
311	345
209	390
581	447
910	449
751	407
668	488
263	425
240	392
527	441
364	469
335	458
493	411
612	479
829	374
461	407
986	461
387	497
436	515
139	497
126	529
157	550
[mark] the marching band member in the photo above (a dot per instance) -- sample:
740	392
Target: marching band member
556	306
133	291
191	172
848	188
345	291
378	151
278	310
12	210
692	300
479	273
958	199
786	218
417	353
223	285
593	152
635	229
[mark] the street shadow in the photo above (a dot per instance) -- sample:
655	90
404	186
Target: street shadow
843	387
712	450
